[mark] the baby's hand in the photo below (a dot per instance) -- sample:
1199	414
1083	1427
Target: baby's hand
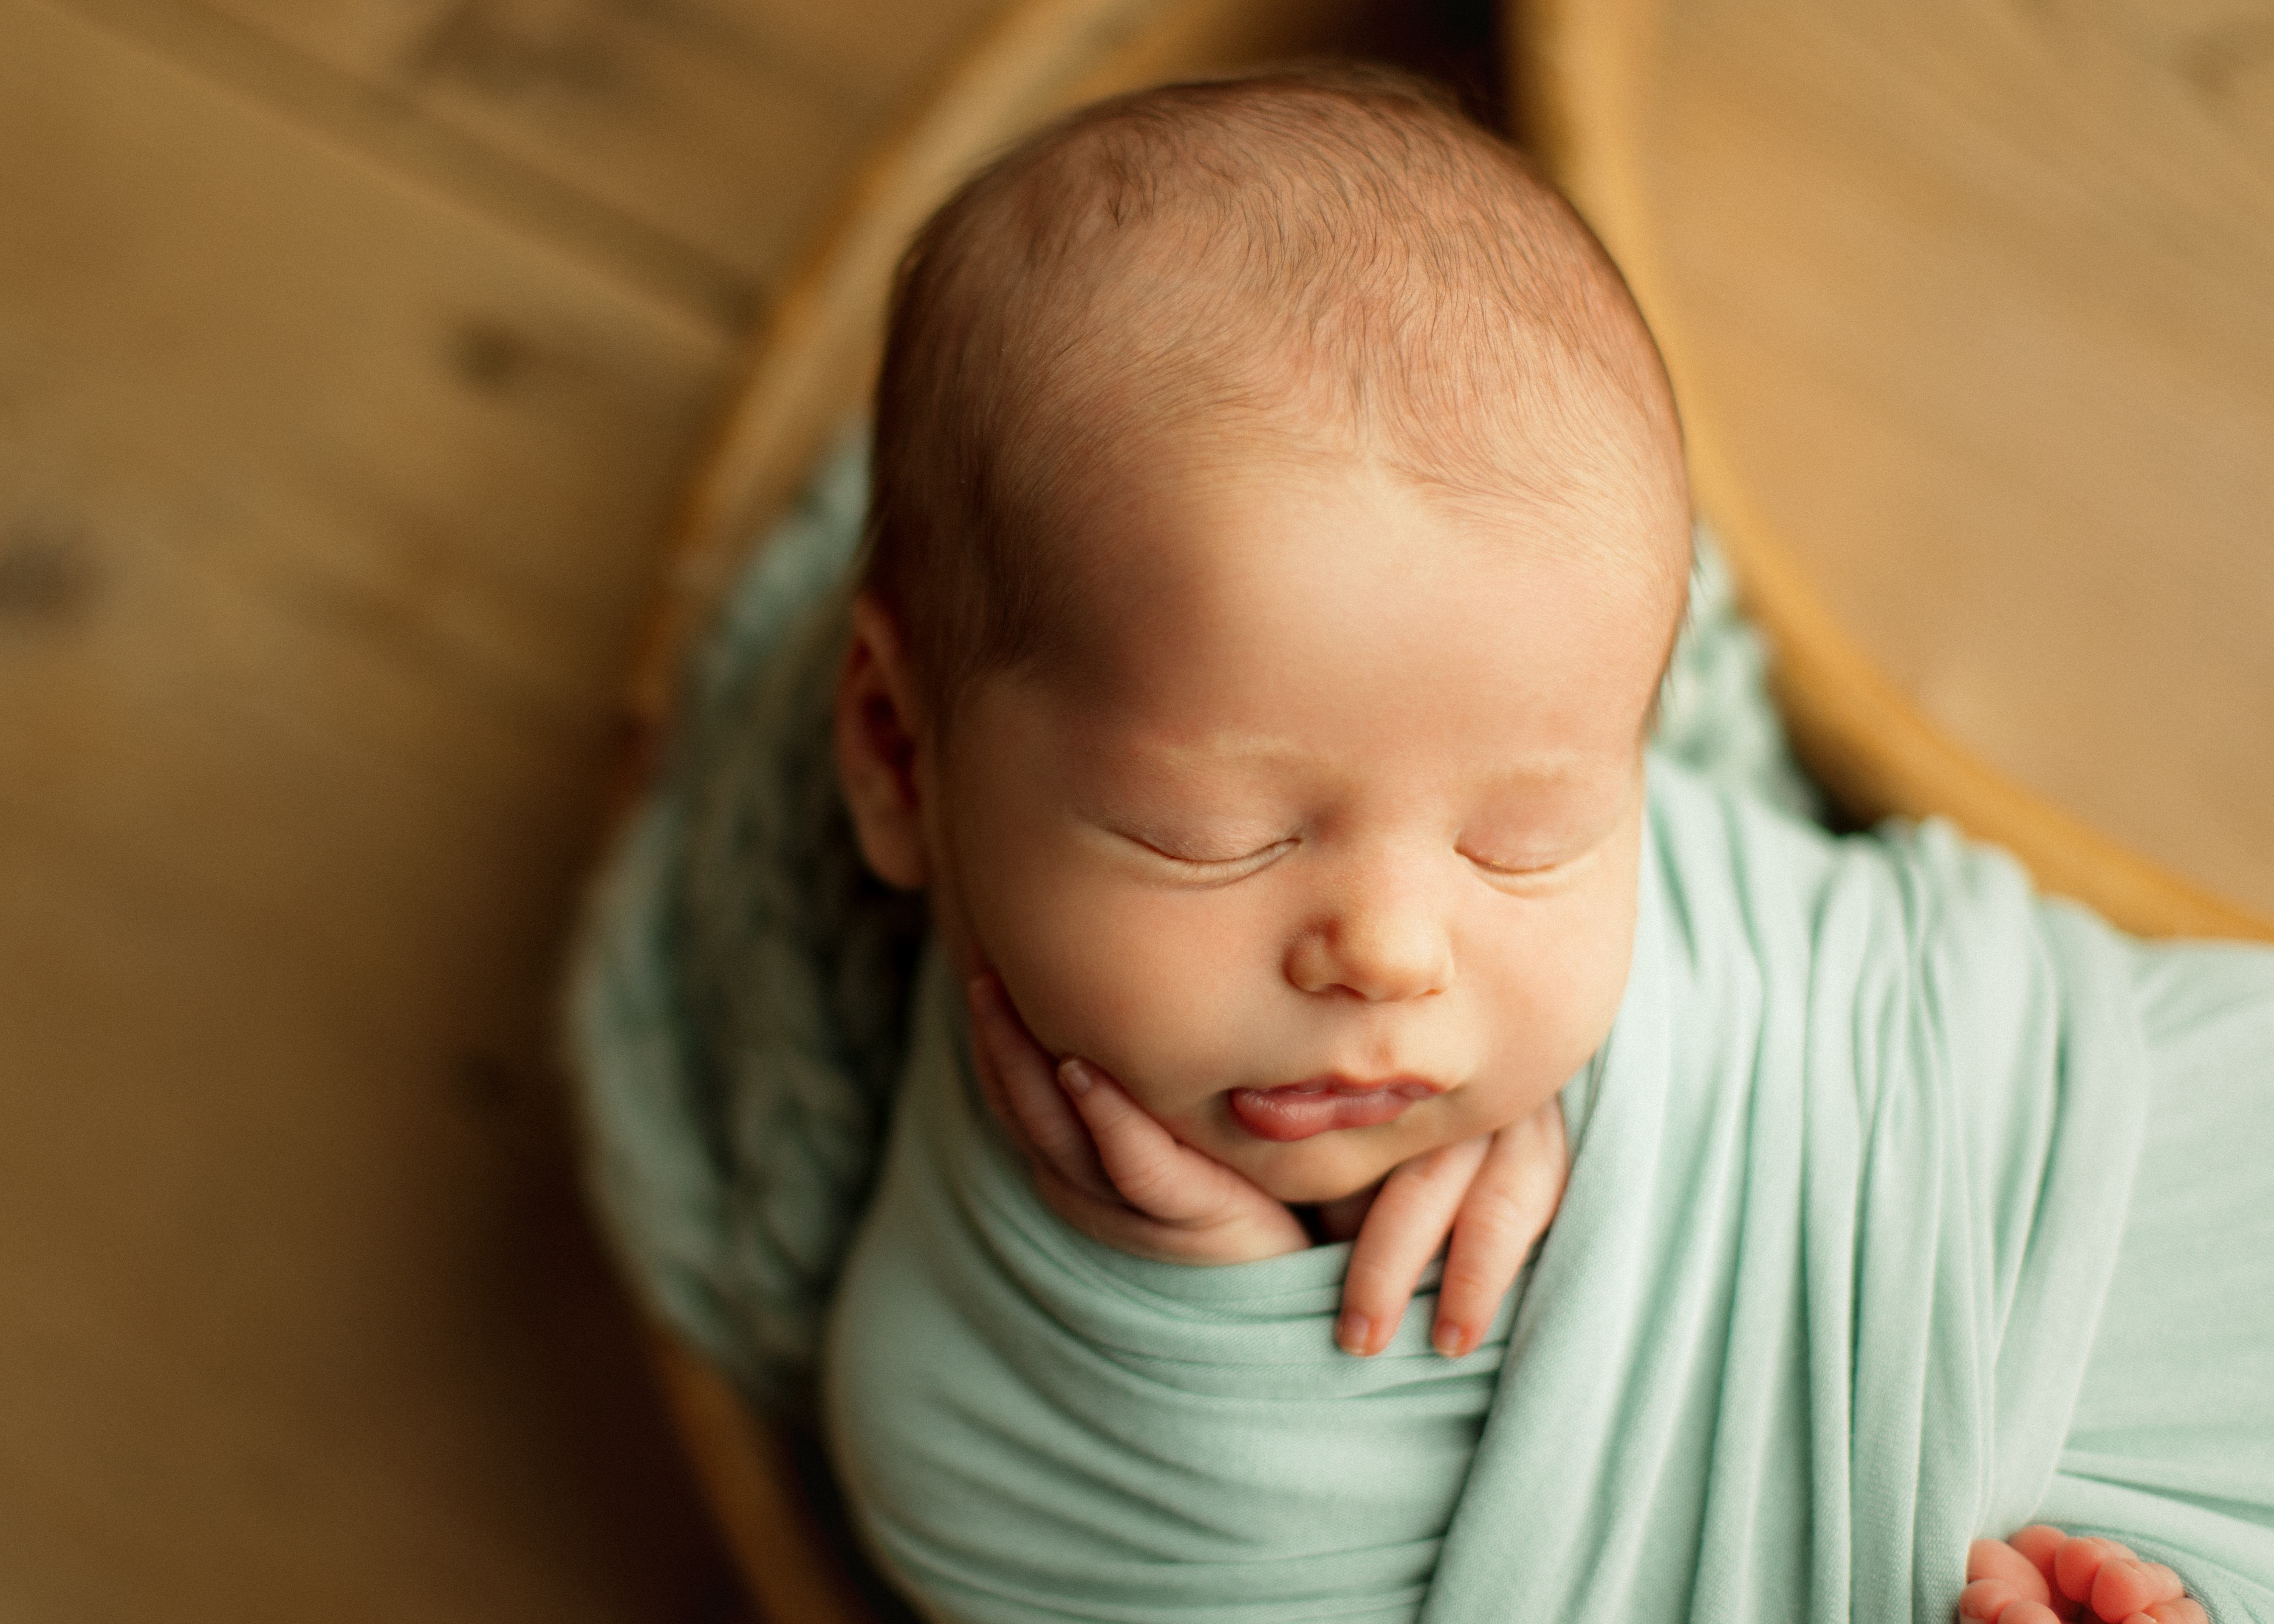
1105	1166
2041	1575
1108	1168
1494	1195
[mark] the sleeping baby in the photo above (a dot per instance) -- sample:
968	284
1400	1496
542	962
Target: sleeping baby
1278	534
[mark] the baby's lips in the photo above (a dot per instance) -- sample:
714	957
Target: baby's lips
1321	1105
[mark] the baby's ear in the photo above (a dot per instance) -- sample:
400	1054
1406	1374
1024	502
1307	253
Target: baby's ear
877	730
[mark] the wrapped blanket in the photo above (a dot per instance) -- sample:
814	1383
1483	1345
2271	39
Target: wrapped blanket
1904	1207
1853	1179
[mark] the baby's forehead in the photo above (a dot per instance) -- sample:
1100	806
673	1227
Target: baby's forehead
1262	622
1221	525
1585	475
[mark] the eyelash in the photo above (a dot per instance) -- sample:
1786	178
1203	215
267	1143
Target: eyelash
1501	872
1222	867
1229	868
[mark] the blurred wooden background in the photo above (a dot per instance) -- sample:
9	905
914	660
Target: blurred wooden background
352	357
1968	304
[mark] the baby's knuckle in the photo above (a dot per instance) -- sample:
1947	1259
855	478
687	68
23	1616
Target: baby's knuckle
1427	1172
1496	1219
1371	1286
1152	1186
1144	1187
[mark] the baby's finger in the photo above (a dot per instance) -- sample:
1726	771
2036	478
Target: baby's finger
1994	1601
1138	1155
2041	1543
2077	1564
1187	1206
2030	1612
1509	1202
1147	1165
1999	1560
1017	1076
1402	1230
2185	1611
1985	1600
2124	1586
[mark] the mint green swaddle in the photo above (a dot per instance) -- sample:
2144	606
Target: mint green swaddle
1876	1137
1849	1184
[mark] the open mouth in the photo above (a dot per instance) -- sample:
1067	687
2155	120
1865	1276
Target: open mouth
1323	1104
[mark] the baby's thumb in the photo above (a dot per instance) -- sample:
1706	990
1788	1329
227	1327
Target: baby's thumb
1015	1075
1147	1165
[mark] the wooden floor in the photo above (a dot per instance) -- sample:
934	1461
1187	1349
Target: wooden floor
1975	301
350	357
2052	326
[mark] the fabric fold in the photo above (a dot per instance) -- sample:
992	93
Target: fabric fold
1851	1182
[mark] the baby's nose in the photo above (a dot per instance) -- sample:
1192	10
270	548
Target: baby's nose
1386	942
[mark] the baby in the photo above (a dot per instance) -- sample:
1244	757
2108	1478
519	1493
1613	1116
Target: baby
1279	533
1273	573
1277	542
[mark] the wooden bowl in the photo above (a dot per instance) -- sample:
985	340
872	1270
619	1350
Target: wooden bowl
1618	91
1966	303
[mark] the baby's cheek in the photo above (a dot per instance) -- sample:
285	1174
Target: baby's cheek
1144	987
1175	1031
1553	977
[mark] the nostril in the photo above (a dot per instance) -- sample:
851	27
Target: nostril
1375	967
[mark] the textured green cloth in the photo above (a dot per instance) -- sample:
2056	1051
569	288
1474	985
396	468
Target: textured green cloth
739	1002
1823	1301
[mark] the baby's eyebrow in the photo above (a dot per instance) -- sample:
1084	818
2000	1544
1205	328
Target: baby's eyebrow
1210	749
1210	758
1545	769
1134	784
1214	748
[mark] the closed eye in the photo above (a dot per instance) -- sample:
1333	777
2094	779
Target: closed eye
1218	870
1517	869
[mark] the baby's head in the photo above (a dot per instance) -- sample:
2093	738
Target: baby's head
1279	530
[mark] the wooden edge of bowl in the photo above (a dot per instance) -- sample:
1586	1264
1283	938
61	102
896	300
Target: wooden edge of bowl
748	1478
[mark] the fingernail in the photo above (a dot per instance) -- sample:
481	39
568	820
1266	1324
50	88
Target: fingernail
1449	1339
1354	1333
1074	1077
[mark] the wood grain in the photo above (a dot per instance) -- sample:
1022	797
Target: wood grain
330	497
725	126
1966	304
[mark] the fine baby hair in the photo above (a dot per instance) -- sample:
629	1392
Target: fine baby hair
1329	253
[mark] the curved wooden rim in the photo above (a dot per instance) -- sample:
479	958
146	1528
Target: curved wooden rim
748	1481
1584	69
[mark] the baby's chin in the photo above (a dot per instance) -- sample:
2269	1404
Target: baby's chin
1322	1169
